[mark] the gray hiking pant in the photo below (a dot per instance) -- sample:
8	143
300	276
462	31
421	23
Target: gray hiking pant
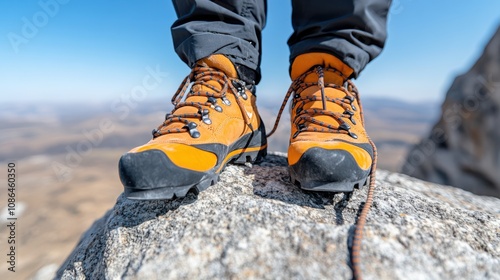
352	30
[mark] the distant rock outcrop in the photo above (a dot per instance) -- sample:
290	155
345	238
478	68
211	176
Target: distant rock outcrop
463	148
254	224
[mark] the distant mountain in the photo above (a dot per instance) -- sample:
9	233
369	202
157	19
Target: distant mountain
463	148
400	110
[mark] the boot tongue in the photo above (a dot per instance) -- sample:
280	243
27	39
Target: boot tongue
304	62
217	62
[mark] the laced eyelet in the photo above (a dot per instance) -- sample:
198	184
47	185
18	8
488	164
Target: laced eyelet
351	116
344	126
240	87
350	98
193	131
226	101
155	132
204	116
353	135
348	112
213	101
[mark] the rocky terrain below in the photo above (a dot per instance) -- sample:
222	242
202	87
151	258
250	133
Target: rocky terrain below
254	224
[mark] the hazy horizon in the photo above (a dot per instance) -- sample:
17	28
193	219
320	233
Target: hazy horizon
102	50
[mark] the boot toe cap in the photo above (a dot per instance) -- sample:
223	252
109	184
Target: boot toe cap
333	169
152	169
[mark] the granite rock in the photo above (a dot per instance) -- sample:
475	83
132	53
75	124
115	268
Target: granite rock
254	224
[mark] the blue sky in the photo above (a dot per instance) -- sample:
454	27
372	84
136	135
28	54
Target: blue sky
100	50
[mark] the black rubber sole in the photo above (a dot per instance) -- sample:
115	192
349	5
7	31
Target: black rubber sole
319	186
207	180
170	192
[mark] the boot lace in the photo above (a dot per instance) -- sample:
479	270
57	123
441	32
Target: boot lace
304	118
198	79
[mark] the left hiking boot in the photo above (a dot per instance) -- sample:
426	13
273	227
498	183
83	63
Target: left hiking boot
329	147
214	121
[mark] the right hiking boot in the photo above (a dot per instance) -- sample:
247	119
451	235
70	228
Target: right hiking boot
215	121
329	149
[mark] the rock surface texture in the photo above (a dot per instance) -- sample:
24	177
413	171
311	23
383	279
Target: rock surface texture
254	224
463	148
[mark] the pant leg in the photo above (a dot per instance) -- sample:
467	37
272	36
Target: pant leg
352	30
229	27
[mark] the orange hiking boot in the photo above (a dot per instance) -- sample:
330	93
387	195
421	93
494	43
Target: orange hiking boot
329	148
215	121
